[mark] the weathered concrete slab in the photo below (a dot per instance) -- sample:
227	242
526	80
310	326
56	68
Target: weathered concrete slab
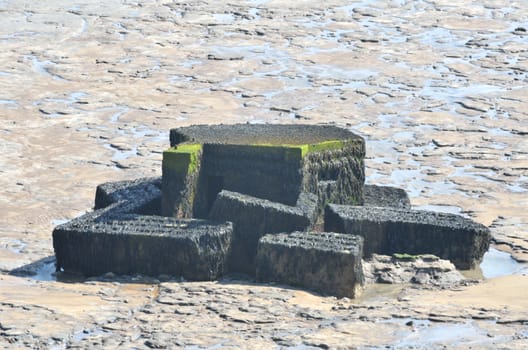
391	230
142	195
329	263
260	134
385	196
254	217
138	244
273	162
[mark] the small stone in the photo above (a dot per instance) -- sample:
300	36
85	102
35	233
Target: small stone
520	31
155	344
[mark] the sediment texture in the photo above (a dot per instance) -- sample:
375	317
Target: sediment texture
90	90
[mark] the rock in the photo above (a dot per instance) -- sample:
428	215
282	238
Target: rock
253	217
391	230
419	269
328	263
520	31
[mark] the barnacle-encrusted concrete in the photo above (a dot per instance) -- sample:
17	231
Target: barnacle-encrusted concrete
150	245
254	217
273	162
329	263
385	196
263	178
391	230
139	196
180	179
125	237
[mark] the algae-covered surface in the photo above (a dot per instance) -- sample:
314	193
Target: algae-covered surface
89	91
183	158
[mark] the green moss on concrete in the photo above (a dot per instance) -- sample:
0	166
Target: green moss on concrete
405	256
321	147
302	150
184	159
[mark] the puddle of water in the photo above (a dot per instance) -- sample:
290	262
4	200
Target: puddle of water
13	245
332	72
85	333
440	37
8	103
40	270
121	30
496	263
41	67
378	292
84	26
425	334
74	96
46	272
224	18
186	64
413	182
517	188
254	12
115	117
121	154
438	90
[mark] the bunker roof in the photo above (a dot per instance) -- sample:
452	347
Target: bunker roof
260	134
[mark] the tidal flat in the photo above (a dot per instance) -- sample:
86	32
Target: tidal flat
89	91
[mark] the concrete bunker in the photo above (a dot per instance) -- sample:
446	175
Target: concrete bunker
272	162
251	199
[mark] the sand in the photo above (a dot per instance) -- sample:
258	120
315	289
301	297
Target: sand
89	91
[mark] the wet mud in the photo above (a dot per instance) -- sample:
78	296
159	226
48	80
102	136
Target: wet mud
89	91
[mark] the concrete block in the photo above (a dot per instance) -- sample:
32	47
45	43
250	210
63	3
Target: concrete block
328	263
141	195
136	244
390	230
180	174
385	196
253	217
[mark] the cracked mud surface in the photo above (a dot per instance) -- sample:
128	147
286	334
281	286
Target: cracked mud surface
89	91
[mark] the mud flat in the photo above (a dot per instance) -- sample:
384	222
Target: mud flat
89	92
